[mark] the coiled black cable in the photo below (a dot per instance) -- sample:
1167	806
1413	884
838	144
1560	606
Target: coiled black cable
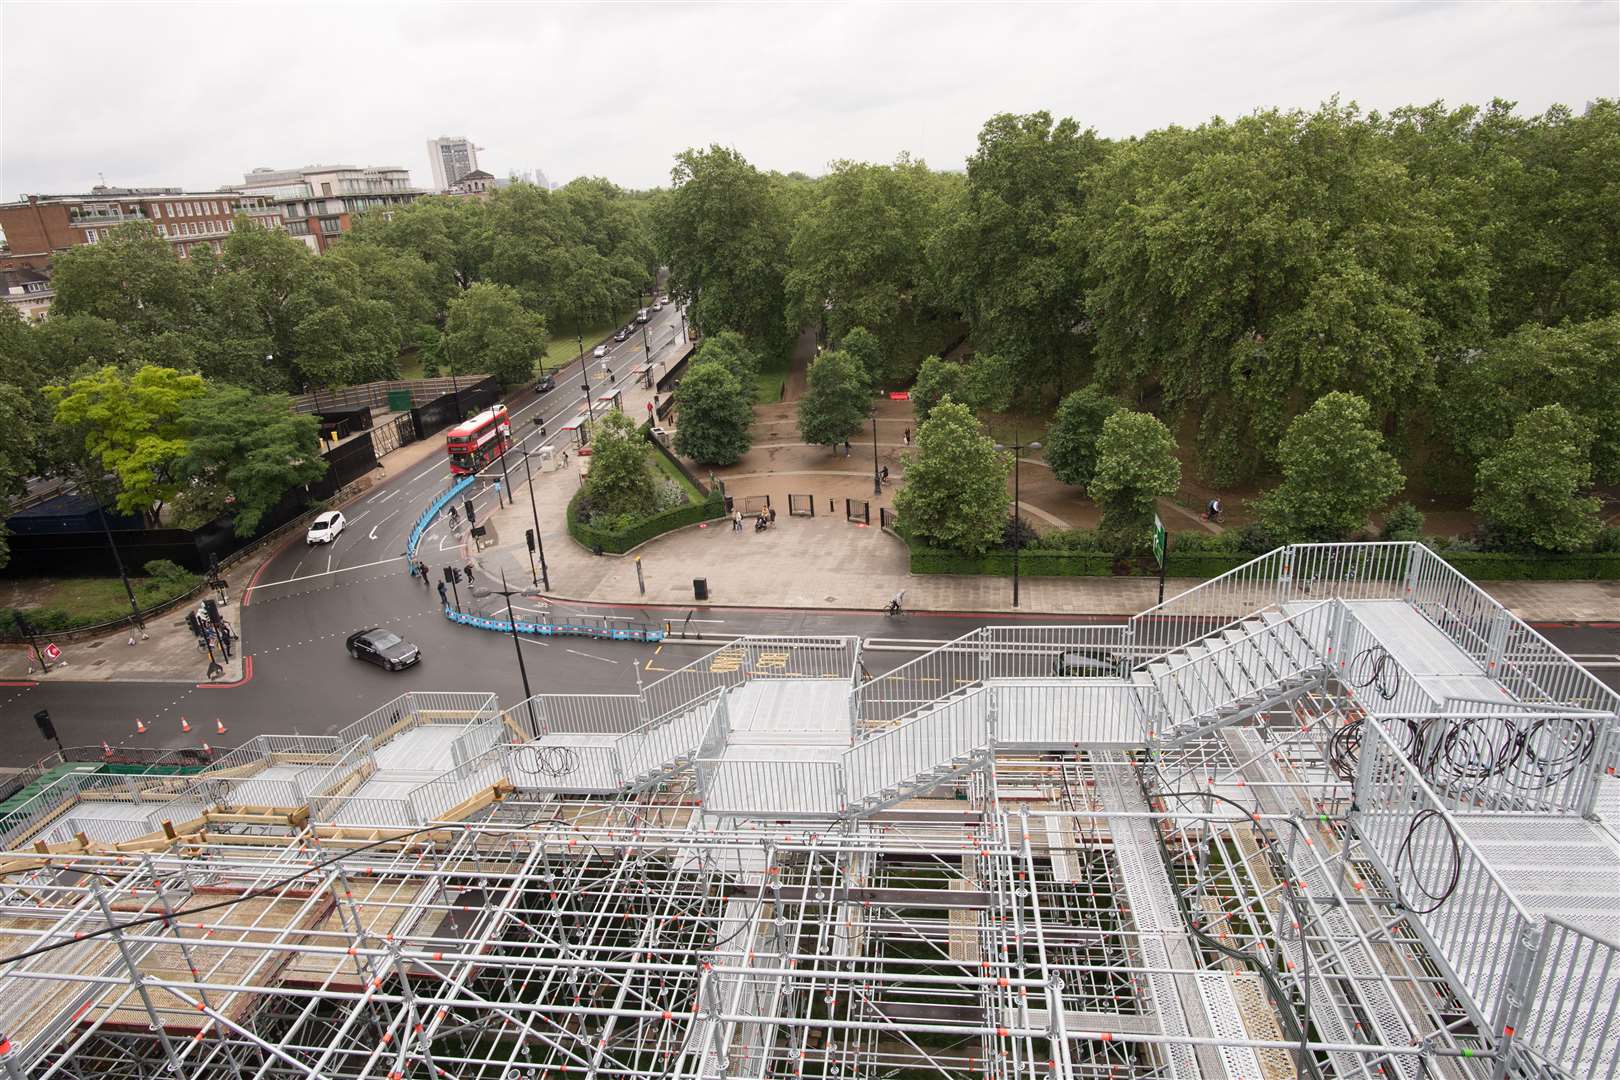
1406	853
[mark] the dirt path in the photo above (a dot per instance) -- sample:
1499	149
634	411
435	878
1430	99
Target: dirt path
798	379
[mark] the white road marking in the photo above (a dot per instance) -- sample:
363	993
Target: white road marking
373	534
383	497
339	570
437	466
536	641
587	655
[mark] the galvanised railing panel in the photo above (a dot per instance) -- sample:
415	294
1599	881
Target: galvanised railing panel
773	787
583	714
1067	712
1496	757
1481	930
473	777
659	745
1371	676
537	767
784	657
891	697
1572	1018
320	779
362	810
1035	652
950	732
66	789
478	738
421	707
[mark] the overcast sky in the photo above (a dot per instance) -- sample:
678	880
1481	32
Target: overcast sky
194	94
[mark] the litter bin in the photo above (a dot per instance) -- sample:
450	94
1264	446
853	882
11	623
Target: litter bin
700	588
729	504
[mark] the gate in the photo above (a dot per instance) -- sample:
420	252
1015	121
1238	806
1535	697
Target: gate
801	505
858	511
886	518
755	505
398	432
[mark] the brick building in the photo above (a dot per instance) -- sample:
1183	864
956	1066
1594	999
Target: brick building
37	226
318	203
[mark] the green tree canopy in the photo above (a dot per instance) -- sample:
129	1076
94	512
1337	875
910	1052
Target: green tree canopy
730	350
723	231
1335	473
129	427
489	329
713	416
937	380
955	493
244	452
621	482
1071	441
129	277
1534	490
1136	465
837	401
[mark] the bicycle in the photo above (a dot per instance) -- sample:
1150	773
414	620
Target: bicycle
896	606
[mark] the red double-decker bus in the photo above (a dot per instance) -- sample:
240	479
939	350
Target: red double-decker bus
479	441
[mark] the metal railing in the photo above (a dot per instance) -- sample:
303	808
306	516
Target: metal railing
1484	935
422	707
478	738
425	519
953	731
746	658
1573	1014
772	786
473	777
1068	713
1371	675
700	730
583	714
363	810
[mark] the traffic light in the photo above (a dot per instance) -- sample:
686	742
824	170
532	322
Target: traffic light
46	728
529	536
468	506
452	575
213	610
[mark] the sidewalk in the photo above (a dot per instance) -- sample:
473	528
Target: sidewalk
827	562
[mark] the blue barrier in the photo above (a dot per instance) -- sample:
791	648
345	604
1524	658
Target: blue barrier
605	633
432	511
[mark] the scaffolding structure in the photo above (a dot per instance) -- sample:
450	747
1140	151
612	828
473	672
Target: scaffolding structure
1335	814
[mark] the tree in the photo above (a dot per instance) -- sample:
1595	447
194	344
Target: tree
998	255
713	416
621	481
1071	441
731	351
489	329
130	277
1335	473
865	349
991	379
128	426
723	231
836	404
955	495
345	337
245	451
1136	464
936	380
1533	491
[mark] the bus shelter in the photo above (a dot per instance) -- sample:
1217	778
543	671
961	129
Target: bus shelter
576	432
613	399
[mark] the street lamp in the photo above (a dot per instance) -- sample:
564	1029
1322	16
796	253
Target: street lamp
533	510
511	622
877	481
1018	529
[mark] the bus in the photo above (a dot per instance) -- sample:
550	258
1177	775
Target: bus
479	441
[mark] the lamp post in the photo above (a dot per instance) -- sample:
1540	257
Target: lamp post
134	606
585	385
533	510
1018	529
511	623
877	481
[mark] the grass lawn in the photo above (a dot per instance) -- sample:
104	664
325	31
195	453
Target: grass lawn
410	365
57	603
667	468
564	347
772	378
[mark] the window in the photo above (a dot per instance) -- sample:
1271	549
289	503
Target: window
89	236
330	226
163	230
213	207
230	226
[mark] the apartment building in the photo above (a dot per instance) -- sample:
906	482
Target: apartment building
37	226
318	203
453	157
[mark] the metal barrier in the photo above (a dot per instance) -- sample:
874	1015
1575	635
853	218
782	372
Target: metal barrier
477	739
752	505
786	657
1068	713
783	789
426	517
1573	966
801	505
858	511
534	629
422	707
589	714
953	732
473	777
887	518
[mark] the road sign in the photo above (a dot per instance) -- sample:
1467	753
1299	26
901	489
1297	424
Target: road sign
52	652
1159	539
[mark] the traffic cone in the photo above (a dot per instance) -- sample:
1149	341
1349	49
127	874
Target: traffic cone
209	750
106	751
219	725
185	726
140	728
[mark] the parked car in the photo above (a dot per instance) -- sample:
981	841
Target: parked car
664	299
325	529
1075	665
623	332
384	648
599	352
658	305
642	316
547	382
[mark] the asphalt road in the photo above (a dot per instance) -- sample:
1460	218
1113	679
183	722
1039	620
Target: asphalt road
308	600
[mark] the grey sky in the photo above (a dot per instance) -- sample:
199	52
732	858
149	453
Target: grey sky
193	94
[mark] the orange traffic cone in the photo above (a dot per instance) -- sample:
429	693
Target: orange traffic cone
209	750
140	728
106	751
219	725
185	725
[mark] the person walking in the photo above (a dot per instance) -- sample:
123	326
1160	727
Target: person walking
469	574
444	596
908	436
771	513
846	448
736	521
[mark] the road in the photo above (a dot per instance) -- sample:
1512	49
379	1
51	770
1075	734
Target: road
307	600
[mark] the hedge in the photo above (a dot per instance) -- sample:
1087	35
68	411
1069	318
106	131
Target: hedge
1036	562
621	541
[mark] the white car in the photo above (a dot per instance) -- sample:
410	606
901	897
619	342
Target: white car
601	351
325	529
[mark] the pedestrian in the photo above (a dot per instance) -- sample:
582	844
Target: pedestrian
736	521
469	573
649	408
444	597
908	436
885	474
846	448
771	511
498	501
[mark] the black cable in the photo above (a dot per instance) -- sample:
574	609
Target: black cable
1422	818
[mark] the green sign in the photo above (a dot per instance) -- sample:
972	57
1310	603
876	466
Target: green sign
1159	540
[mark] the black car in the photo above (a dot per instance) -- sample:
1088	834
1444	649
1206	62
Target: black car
384	648
547	382
1076	664
621	335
